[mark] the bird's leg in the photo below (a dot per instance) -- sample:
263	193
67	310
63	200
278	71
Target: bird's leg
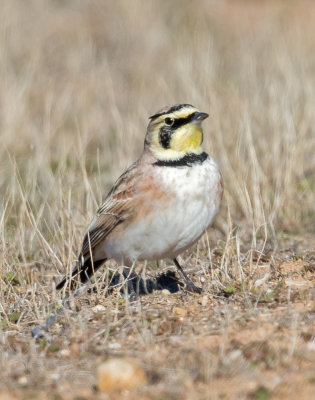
130	276
190	286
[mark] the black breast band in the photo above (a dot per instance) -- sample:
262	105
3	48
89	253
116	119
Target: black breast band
187	161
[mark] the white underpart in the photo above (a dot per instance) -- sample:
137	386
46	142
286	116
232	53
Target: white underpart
195	199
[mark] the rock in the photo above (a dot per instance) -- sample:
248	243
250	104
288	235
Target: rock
204	300
99	308
114	346
179	311
22	380
65	353
118	374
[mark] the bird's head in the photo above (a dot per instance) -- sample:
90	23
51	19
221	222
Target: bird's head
174	132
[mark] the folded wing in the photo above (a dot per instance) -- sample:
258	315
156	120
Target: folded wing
116	209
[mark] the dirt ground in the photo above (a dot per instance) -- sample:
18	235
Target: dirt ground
253	339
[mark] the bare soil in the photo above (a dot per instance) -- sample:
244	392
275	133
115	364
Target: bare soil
251	339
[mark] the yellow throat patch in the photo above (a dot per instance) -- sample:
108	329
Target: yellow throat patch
174	133
187	139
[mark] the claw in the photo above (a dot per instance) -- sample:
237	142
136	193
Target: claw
190	287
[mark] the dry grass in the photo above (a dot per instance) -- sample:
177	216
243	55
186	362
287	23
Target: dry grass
77	83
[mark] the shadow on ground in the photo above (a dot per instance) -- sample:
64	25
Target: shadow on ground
144	286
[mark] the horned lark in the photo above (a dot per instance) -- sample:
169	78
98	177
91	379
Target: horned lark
162	204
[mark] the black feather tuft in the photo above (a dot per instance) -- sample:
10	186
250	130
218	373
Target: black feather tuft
81	273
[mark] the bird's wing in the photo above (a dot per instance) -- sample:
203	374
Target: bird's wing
116	208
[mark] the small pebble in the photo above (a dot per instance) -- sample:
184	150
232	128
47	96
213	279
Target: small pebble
22	380
114	346
98	308
204	300
118	374
179	311
65	353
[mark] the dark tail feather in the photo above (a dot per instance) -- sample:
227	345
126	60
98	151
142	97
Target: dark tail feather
81	272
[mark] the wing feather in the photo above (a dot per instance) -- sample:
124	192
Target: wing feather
117	207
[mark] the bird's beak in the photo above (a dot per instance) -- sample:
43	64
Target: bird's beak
200	116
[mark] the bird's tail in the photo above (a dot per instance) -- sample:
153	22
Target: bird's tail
82	272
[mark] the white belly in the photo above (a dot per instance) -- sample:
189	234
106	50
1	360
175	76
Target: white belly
195	194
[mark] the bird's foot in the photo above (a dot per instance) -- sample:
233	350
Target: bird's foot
191	287
133	296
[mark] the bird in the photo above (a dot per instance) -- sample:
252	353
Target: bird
161	205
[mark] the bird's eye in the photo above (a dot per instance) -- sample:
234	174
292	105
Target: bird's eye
169	121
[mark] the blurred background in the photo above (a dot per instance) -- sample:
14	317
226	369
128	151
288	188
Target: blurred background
79	79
